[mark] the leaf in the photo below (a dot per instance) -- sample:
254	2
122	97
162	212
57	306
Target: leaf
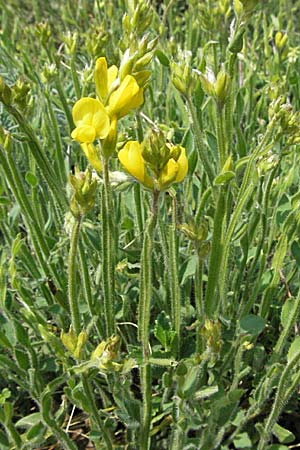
206	392
283	435
242	441
163	331
190	268
252	324
162	57
294	348
224	178
31	179
287	310
295	249
29	421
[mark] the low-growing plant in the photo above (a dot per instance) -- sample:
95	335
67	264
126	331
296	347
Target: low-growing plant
149	220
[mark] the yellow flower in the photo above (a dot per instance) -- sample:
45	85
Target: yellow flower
175	170
104	77
128	96
121	99
183	166
91	153
91	120
130	156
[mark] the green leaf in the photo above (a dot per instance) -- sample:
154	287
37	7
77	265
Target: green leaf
283	435
287	310
162	57
295	249
294	348
31	179
252	324
36	432
206	392
29	421
224	178
190	268
163	331
277	447
242	441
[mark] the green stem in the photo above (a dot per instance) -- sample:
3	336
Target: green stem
200	143
230	99
58	143
87	291
144	322
175	290
211	302
199	302
95	413
72	285
107	252
75	77
221	137
40	245
41	159
280	400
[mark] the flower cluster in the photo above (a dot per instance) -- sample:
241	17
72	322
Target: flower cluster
96	118
156	164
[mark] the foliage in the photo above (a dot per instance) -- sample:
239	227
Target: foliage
155	308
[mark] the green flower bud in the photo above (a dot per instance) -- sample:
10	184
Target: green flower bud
237	42
222	87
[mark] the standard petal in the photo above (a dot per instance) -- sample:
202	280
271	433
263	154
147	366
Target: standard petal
100	77
84	107
84	133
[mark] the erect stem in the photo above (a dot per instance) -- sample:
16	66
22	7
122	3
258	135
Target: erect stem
175	290
72	266
107	251
200	143
144	320
211	295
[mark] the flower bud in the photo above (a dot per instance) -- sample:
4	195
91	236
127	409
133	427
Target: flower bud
280	40
222	87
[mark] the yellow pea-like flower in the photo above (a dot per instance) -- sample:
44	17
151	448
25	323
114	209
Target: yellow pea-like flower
91	120
168	174
104	77
130	156
91	153
174	171
126	97
183	166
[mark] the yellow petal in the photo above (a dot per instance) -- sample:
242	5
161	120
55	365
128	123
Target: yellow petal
101	123
86	106
168	174
128	96
91	153
130	156
183	166
100	77
112	74
84	133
